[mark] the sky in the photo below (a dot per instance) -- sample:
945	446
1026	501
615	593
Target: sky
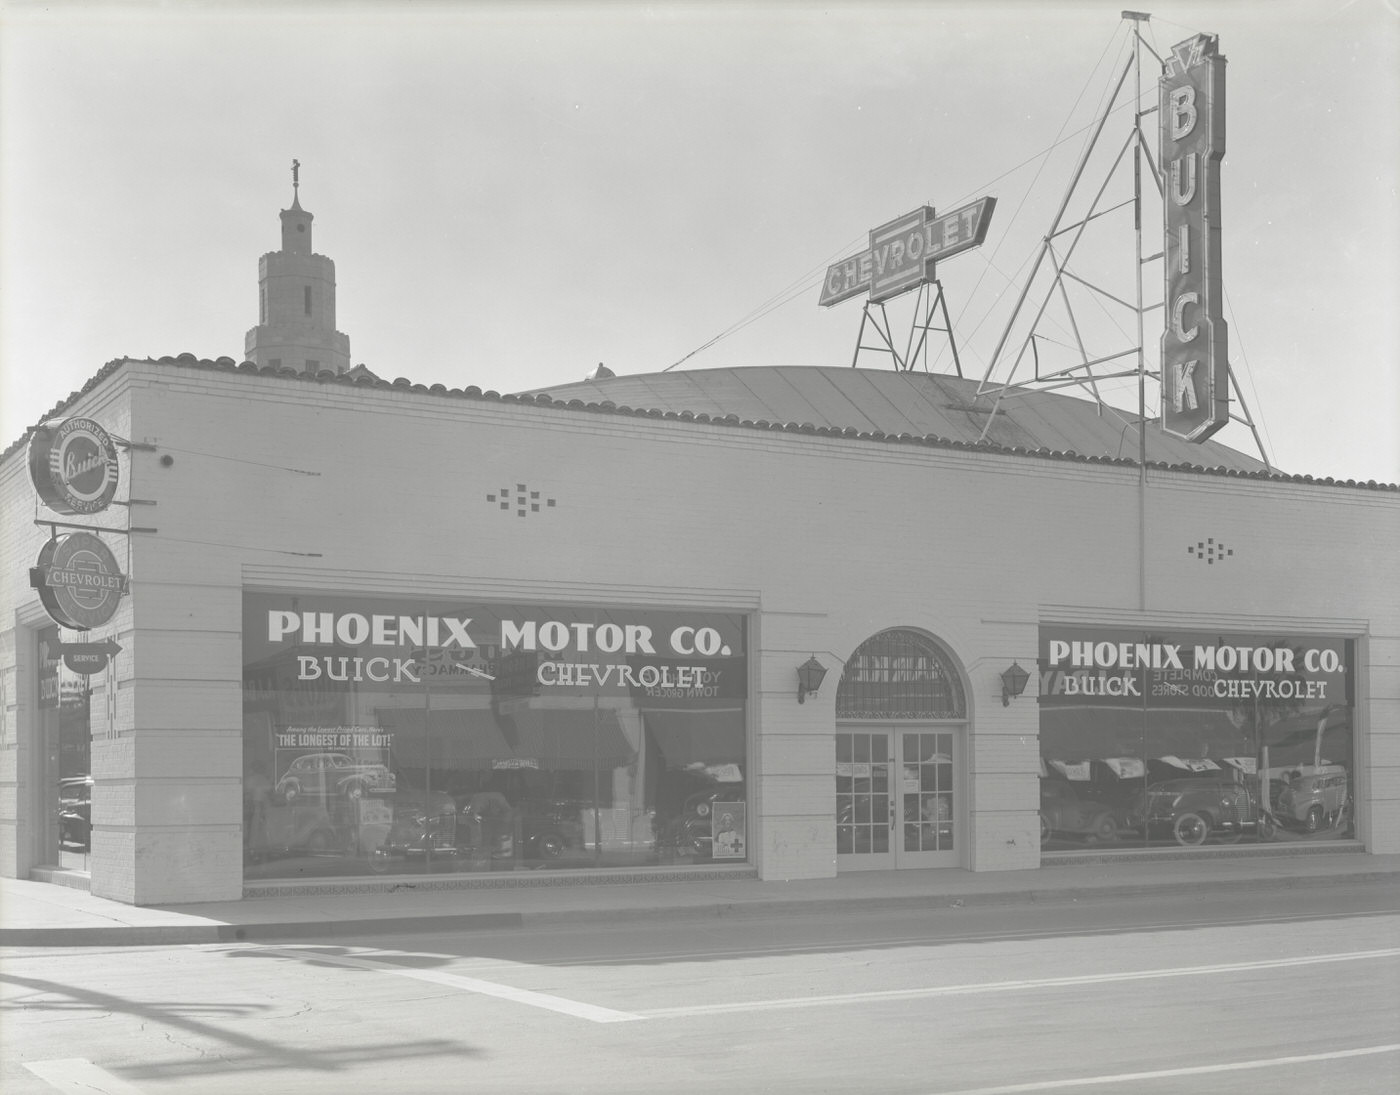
513	193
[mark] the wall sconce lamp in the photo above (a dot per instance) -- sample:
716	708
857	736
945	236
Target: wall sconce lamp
810	675
1013	683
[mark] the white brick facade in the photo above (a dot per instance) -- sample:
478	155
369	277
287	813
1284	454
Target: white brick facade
275	483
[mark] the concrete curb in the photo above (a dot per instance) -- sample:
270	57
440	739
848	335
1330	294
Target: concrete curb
944	901
177	934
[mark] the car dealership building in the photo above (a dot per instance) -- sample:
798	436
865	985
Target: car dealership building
282	624
371	628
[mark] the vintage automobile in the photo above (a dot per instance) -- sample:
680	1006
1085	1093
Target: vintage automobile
1064	813
75	812
1314	800
300	829
1193	810
550	828
423	825
480	826
326	774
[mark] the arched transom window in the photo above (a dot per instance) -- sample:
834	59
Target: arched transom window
900	674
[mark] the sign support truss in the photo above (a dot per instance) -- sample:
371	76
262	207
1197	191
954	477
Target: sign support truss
1056	252
921	327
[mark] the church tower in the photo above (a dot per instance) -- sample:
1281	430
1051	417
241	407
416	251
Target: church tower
296	301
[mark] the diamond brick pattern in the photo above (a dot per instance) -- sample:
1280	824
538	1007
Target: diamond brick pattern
1209	551
522	499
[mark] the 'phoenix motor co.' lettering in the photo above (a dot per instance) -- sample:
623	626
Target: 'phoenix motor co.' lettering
1203	658
1194	671
553	636
433	647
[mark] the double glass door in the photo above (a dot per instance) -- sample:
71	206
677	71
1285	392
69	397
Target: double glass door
897	798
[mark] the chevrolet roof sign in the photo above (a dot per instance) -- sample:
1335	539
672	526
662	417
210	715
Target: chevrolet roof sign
902	252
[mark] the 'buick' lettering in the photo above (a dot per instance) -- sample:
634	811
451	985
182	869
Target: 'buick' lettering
344	670
1194	345
1082	684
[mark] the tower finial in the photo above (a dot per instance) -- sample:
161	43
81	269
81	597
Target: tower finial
296	176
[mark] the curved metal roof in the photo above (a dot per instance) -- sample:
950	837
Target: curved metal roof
894	403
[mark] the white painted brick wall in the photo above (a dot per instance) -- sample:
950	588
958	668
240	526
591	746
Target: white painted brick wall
291	485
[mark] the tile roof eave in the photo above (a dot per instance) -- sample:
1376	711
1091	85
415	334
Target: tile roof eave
472	392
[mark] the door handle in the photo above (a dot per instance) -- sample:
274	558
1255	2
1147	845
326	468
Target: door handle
891	815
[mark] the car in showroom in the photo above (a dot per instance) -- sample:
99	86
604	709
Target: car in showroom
1313	800
1064	811
323	775
75	812
1192	811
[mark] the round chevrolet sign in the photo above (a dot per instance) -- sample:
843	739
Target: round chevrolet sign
78	581
74	466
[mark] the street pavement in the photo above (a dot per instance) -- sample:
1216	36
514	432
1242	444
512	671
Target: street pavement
1227	989
40	914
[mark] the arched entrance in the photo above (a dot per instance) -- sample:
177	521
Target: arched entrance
901	725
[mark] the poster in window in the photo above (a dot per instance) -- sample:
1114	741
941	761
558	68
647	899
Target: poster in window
729	823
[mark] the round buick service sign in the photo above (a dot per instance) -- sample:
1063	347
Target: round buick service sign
74	466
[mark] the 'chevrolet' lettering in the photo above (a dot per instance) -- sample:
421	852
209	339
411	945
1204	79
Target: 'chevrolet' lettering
903	251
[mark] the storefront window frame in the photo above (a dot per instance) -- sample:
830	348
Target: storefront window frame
738	846
1253	821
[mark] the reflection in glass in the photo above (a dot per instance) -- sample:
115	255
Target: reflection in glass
1200	756
862	793
455	759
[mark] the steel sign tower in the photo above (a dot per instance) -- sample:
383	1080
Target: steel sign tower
1199	391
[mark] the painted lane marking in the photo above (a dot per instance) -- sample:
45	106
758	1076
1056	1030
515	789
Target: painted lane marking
1193	1070
1014	986
79	1076
468	984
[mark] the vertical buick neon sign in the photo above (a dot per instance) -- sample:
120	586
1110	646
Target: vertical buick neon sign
1195	370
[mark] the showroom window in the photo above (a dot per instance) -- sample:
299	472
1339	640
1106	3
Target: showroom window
407	737
1186	738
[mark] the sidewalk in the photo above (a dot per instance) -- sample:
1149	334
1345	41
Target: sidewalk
36	914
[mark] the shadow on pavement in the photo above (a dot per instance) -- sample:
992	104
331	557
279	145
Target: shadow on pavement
240	1053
